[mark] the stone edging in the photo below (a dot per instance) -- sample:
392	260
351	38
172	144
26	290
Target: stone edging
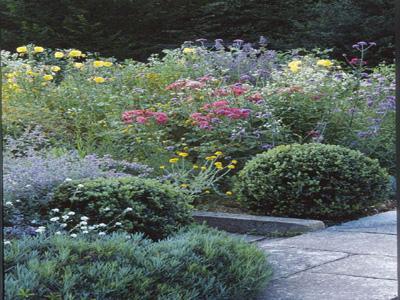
263	225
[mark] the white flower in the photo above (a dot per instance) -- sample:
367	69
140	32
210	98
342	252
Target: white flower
83	227
8	203
71	213
80	186
91	227
68	179
74	235
128	209
84	218
33	221
85	231
106	209
7	242
63	225
18	201
58	232
28	186
54	219
40	229
55	210
102	233
65	217
118	224
102	225
83	223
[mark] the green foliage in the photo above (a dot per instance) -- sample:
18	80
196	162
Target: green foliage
157	24
312	180
195	264
157	209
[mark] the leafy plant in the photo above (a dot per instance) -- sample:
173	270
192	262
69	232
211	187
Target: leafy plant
312	180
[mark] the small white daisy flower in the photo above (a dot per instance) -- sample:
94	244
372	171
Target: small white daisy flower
54	219
102	233
74	235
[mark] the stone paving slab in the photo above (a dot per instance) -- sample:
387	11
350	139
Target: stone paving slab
379	223
348	242
289	261
352	261
382	267
314	286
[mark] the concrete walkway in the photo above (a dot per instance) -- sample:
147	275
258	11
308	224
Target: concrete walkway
353	261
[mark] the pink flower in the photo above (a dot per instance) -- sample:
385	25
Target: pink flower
161	118
141	120
238	90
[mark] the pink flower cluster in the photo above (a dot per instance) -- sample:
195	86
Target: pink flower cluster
142	116
186	84
236	89
215	111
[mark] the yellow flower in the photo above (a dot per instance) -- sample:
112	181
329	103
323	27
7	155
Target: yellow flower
294	66
186	148
325	63
231	167
108	63
38	49
184	185
229	193
98	63
48	77
58	54
174	160
22	49
162	167
99	79
55	68
234	161
203	168
206	191
218	153
78	65
195	167
189	51
218	165
75	53
211	157
183	154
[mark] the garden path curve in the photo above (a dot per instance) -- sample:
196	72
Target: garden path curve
353	261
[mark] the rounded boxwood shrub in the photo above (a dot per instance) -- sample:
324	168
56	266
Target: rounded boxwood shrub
156	209
195	264
312	180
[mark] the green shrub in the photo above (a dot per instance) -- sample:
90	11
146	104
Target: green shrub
195	264
312	180
156	209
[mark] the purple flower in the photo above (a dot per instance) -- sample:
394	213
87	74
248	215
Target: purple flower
266	146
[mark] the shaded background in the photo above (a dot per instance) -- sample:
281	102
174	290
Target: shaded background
138	28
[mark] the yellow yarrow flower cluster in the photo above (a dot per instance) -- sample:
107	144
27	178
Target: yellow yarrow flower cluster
211	157
98	79
38	49
183	154
22	49
218	165
55	68
294	66
58	54
325	63
189	51
48	77
75	53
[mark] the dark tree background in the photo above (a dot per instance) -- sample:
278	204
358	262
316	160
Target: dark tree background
137	28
